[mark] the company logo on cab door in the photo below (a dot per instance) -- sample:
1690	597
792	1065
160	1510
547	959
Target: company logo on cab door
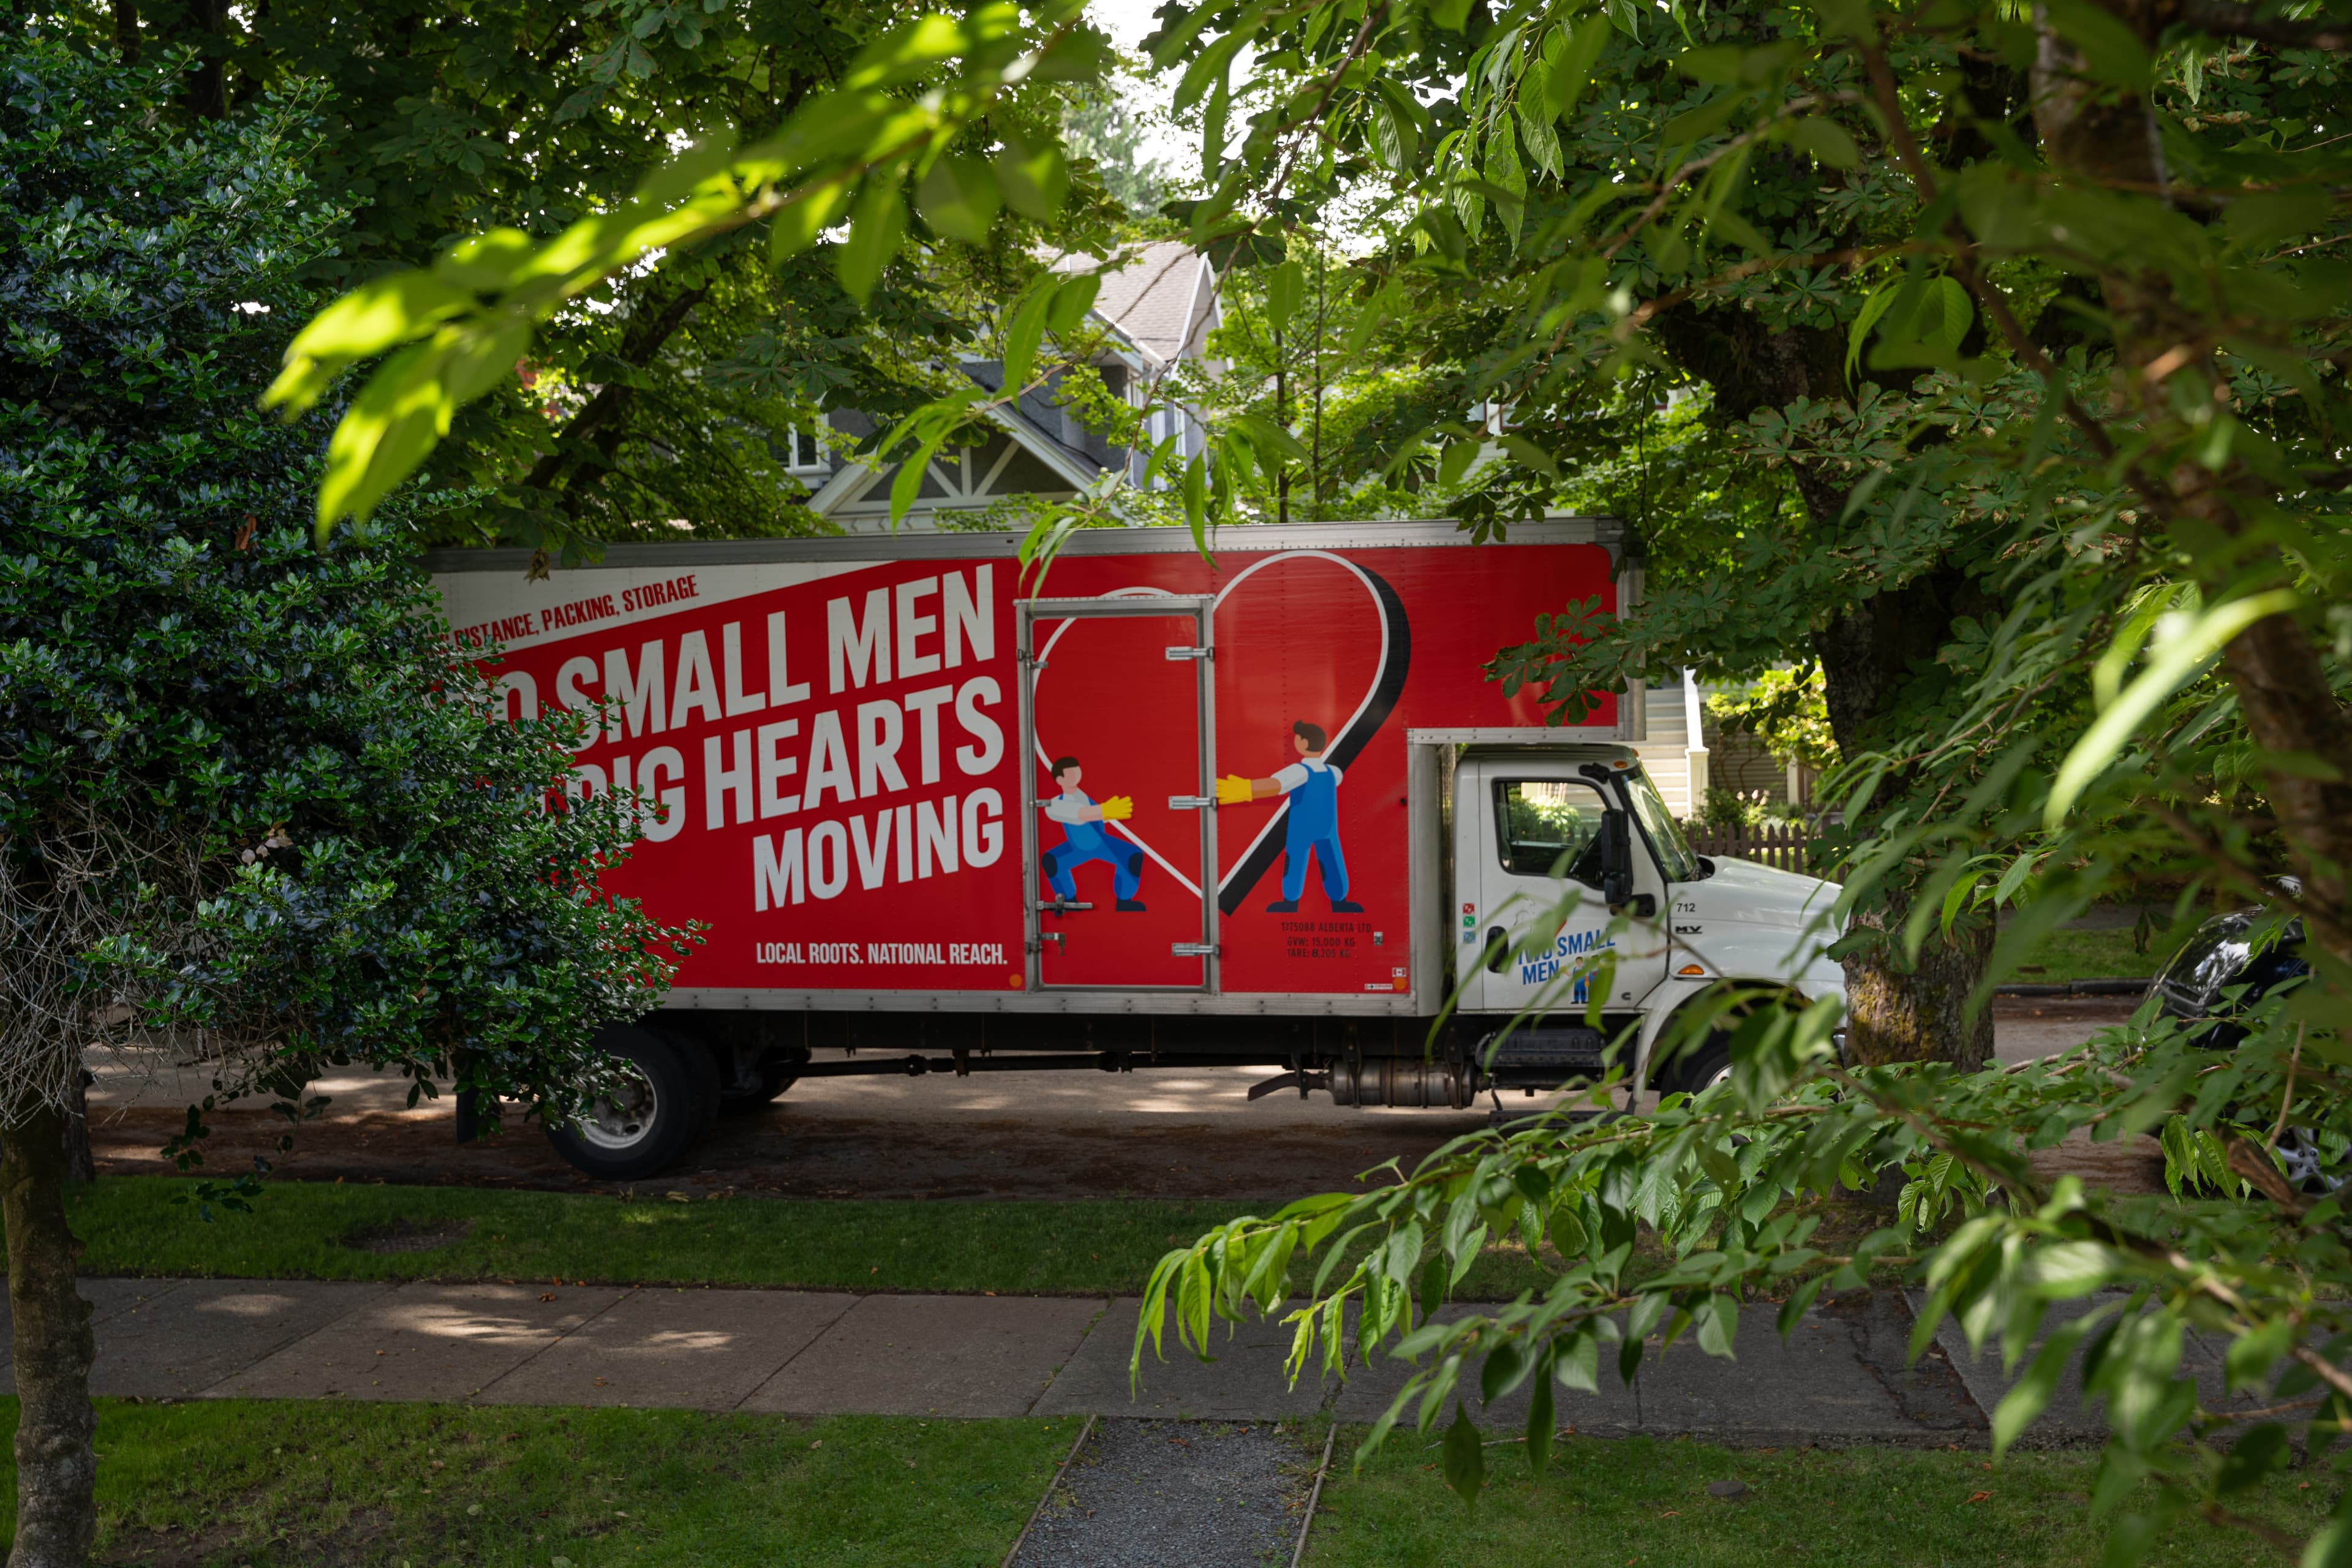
811	753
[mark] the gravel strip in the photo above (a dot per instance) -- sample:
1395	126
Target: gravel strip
1148	1493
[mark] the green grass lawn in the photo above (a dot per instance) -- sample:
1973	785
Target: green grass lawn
1640	1500
267	1484
302	1230
2089	955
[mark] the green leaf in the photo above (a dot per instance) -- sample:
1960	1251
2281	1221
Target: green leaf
1717	1321
1695	125
1542	1421
1207	72
2251	1355
2030	1396
959	199
368	320
2112	52
405	410
1825	139
1571	65
1386	301
2331	1548
2177	660
1071	301
1037	182
488	262
1024	333
796	226
2253	1458
1457	458
1269	443
1284	286
1463	1457
909	481
1501	1372
1397	126
1576	1360
876	229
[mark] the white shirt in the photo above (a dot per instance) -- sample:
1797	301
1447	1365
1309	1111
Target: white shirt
1070	805
1291	777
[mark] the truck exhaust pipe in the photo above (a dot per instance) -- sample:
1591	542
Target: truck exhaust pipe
1407	1081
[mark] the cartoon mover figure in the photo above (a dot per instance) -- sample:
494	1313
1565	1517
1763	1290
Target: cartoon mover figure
1085	838
1313	786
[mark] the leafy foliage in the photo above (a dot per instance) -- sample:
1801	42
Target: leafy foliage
1785	709
245	787
2062	418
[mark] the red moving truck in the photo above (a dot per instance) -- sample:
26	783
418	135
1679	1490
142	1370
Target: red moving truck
940	815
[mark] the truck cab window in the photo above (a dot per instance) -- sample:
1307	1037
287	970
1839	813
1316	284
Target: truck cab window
1676	860
1547	828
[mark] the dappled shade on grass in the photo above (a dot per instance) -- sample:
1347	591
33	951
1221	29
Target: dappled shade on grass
328	1231
1611	1501
279	1483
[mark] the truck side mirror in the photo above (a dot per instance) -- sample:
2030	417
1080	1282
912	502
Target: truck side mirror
1616	859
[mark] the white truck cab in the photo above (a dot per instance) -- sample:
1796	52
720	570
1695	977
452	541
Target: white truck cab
1551	847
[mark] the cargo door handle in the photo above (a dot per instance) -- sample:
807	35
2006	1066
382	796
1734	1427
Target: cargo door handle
1194	949
1191	803
1062	906
1175	655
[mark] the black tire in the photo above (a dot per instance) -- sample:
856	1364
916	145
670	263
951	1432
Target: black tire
701	1058
1704	1068
628	1139
776	1074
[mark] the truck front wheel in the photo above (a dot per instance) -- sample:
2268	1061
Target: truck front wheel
1706	1067
639	1129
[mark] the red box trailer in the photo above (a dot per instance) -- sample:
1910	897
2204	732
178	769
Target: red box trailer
1140	807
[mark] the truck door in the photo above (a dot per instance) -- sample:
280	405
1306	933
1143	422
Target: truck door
1119	820
1527	835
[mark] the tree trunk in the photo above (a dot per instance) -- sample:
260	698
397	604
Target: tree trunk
57	1467
1867	654
2098	135
81	1163
1918	1014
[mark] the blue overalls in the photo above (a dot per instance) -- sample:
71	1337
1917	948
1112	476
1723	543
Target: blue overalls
1314	829
1084	843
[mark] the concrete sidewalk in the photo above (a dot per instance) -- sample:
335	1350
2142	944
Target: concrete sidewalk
1840	1379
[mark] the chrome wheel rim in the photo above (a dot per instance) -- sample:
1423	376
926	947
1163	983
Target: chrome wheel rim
618	1123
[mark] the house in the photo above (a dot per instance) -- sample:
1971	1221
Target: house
1687	752
1157	307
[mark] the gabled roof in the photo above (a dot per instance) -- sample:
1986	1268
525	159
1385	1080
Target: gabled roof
1159	298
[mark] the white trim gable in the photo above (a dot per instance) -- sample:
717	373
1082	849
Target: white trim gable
860	492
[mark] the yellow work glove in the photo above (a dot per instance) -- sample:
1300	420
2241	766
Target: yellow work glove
1117	809
1233	790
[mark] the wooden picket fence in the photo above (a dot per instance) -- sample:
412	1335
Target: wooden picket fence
1781	844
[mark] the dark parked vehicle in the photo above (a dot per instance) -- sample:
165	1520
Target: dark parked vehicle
2232	962
2227	952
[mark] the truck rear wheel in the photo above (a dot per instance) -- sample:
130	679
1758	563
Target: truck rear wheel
637	1132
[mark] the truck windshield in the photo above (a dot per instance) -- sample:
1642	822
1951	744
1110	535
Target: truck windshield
1659	826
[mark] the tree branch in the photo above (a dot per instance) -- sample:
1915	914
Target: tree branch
2222	19
638	345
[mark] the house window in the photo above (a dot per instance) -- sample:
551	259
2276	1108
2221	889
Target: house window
804	457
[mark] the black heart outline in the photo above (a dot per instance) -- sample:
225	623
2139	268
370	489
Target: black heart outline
1388	685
